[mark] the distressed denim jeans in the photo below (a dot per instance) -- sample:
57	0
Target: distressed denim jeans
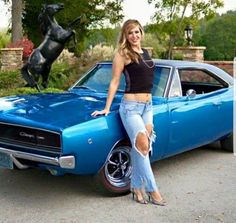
135	116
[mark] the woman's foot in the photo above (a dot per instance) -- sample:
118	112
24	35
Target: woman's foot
138	196
155	198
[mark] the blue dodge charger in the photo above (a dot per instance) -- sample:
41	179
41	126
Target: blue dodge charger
192	102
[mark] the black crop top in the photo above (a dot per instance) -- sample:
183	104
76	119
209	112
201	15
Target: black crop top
139	76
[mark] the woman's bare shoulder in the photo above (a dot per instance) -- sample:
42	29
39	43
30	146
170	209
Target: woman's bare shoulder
121	57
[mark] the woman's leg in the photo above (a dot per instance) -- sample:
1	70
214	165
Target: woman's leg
148	120
142	176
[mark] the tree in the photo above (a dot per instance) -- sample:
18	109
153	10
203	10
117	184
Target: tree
17	6
16	22
172	15
218	35
96	13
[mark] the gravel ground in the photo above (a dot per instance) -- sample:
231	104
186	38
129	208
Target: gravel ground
199	186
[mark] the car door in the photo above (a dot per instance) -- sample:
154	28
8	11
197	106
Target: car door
160	111
194	120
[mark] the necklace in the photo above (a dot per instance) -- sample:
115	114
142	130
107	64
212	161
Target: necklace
147	65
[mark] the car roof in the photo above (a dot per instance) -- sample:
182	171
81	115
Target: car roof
191	64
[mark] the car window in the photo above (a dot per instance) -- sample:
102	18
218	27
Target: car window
202	81
175	88
99	79
197	76
161	76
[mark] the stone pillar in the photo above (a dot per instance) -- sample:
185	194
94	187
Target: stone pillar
191	53
11	58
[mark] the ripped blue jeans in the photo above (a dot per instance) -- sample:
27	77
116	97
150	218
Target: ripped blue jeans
135	116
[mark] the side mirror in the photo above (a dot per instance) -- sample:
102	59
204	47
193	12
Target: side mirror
191	93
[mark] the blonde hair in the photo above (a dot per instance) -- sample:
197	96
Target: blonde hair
124	47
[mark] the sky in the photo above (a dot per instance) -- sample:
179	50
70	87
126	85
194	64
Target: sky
142	11
133	9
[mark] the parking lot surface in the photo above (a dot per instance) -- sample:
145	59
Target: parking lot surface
199	186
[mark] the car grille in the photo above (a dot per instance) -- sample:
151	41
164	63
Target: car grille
30	138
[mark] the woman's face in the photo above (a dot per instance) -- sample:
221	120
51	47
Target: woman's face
134	36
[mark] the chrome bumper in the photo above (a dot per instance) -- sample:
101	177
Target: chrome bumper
67	162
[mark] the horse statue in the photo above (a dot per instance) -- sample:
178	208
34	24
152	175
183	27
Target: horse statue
55	38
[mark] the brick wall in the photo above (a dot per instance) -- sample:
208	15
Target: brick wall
11	58
190	53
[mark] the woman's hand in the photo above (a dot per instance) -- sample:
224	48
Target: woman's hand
102	112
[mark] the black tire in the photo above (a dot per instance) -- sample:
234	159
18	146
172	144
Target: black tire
114	177
227	143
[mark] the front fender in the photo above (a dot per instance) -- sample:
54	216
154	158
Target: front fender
92	141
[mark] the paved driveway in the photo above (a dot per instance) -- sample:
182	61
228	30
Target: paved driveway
199	186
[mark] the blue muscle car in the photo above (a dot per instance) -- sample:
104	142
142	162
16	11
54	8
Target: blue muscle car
193	106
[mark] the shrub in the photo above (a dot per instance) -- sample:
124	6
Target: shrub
98	53
61	74
66	57
24	43
178	56
10	79
26	90
4	39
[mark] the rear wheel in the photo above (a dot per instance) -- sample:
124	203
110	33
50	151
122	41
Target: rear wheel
114	177
227	143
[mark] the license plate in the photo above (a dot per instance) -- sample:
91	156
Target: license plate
5	161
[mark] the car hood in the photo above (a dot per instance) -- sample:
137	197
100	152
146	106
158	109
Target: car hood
52	110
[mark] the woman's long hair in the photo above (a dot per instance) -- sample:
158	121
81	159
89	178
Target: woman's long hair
124	47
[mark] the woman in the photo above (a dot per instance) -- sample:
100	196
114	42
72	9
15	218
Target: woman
136	107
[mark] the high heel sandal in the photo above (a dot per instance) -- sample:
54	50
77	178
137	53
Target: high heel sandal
162	202
135	197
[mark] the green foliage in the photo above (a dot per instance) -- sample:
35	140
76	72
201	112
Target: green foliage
62	76
152	40
26	90
106	36
10	79
218	35
5	38
221	32
178	56
171	15
95	13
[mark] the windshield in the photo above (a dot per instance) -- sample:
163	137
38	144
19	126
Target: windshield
98	79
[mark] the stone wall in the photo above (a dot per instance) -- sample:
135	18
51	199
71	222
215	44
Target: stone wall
11	58
224	65
190	53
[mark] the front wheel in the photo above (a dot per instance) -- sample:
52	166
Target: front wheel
227	143
114	177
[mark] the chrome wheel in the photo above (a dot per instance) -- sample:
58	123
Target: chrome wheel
118	167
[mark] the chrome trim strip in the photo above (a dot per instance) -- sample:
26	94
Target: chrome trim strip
35	148
67	162
206	70
170	77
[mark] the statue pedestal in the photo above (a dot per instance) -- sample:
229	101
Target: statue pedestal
191	53
11	58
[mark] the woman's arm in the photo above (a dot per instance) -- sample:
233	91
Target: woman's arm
117	68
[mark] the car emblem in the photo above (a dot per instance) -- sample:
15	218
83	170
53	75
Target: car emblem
24	134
